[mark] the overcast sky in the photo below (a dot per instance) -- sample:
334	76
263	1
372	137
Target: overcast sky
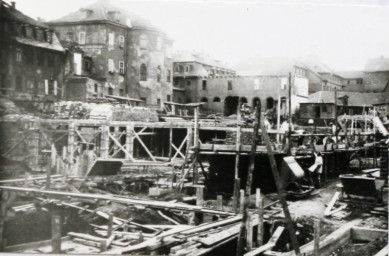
344	34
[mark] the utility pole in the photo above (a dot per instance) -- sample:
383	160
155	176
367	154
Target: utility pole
290	112
336	117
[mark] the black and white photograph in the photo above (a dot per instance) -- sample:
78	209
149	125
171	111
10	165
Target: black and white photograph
194	127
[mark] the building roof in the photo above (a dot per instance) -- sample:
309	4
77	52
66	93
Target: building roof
267	66
184	56
13	14
354	98
351	74
377	65
101	10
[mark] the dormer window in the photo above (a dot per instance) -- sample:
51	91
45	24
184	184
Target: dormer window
29	32
39	34
85	13
114	15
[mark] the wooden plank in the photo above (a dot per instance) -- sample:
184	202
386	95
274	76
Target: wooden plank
220	236
260	229
280	190
269	245
331	204
112	198
316	238
56	226
367	234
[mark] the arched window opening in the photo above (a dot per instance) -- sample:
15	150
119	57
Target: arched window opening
216	99
143	72
204	99
143	41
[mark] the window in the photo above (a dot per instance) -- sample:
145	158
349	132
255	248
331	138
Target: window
176	82
81	37
216	99
204	84
188	82
143	72
18	55
204	99
169	97
96	87
40	58
186	68
121	92
111	38
348	81
159	101
359	81
229	85
177	68
324	109
121	67
121	41
87	64
143	99
159	43
143	41
19	83
110	91
50	59
29	56
169	76
110	66
159	74
69	36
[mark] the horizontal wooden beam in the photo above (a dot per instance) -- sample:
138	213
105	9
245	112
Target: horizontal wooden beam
127	201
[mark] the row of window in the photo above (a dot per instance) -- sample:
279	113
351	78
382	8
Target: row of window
142	71
46	87
35	57
213	72
358	81
28	31
143	40
203	84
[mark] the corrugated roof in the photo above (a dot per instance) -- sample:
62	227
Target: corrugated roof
354	98
101	11
377	65
267	66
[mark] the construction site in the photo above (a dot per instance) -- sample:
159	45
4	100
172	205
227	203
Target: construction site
192	185
111	143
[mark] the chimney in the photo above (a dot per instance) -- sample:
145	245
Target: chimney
13	5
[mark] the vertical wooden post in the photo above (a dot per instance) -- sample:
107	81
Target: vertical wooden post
290	113
56	224
235	196
241	205
48	175
129	141
219	202
53	155
104	141
199	196
316	249
249	232
260	223
170	142
3	214
280	190
196	127
110	222
71	141
257	197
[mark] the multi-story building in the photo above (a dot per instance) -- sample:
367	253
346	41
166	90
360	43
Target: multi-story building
377	75
353	81
191	71
321	77
31	58
128	55
264	80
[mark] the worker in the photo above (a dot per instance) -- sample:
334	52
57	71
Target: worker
317	168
